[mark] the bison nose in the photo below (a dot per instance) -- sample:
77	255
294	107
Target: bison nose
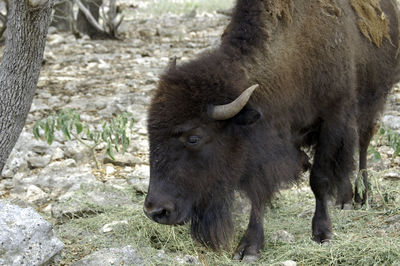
160	215
157	213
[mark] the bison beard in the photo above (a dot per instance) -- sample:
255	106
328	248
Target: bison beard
288	76
212	223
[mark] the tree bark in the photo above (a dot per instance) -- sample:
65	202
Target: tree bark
27	25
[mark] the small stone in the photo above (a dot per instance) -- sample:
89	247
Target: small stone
47	209
78	152
40	147
110	170
282	236
125	159
380	233
58	154
187	259
306	213
287	263
8	183
146	33
141	171
112	256
35	195
15	163
110	227
393	219
392	174
37	161
140	185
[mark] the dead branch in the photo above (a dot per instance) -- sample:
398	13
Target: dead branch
111	22
89	17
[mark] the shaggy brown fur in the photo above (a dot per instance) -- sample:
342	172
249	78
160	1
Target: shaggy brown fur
322	86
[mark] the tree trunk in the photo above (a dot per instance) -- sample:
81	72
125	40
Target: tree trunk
63	16
28	21
83	23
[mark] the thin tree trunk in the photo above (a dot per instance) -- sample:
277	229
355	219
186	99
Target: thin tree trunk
84	25
63	16
28	22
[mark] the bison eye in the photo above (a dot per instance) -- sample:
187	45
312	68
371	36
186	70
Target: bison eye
193	140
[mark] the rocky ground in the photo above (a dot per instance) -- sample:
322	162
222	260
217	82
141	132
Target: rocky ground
101	79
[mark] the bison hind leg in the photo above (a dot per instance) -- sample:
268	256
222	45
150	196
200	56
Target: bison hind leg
344	195
331	170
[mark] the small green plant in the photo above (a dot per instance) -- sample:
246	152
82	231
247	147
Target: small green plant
385	136
69	123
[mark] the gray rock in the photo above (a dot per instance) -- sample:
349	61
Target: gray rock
35	195
38	105
89	200
282	236
78	152
16	163
141	171
392	174
112	256
39	147
58	154
8	183
38	161
56	179
125	159
391	121
25	237
140	185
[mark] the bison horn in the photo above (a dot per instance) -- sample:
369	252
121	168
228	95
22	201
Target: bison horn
226	111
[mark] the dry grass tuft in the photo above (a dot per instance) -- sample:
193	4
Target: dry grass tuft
281	10
372	20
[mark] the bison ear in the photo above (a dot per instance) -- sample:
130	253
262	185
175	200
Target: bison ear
246	117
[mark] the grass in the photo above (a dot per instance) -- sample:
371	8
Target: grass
361	237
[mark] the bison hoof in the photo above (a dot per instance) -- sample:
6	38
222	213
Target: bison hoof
360	200
322	238
246	253
321	229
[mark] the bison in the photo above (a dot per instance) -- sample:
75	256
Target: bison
288	75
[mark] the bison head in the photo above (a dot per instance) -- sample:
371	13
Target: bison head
197	158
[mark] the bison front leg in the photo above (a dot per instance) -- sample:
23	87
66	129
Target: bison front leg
321	223
253	240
